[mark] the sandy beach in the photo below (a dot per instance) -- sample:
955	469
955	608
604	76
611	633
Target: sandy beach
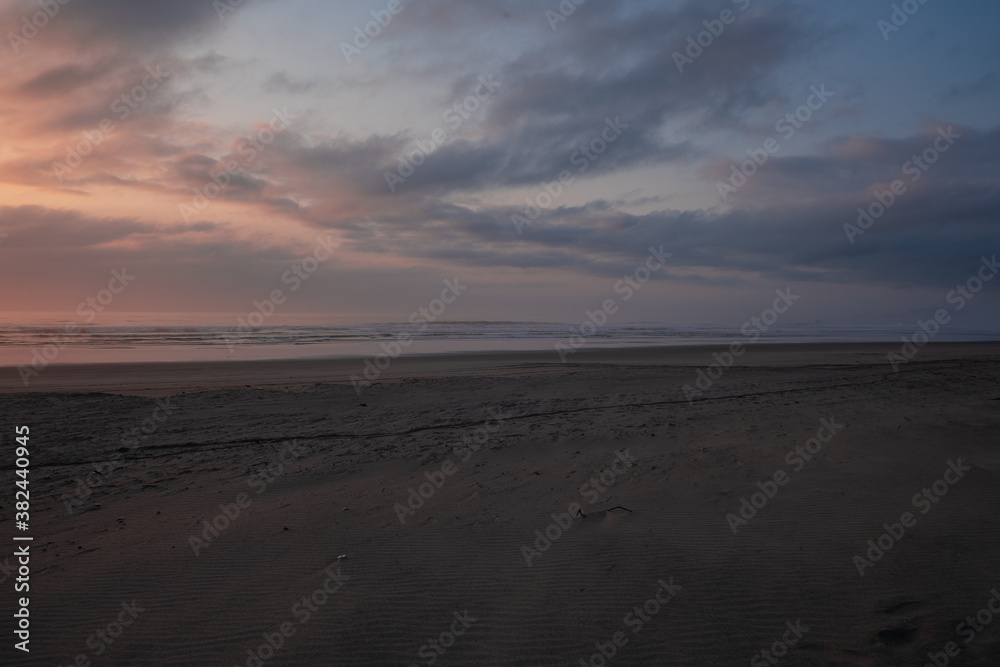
514	510
500	334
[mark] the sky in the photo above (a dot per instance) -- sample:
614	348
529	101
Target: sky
206	148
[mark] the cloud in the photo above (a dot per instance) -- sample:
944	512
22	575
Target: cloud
981	86
558	90
606	62
789	225
141	24
40	228
283	82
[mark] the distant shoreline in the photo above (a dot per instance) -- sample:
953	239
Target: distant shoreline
170	377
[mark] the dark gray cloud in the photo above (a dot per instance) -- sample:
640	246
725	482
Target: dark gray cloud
143	24
283	82
606	61
39	228
62	79
788	226
984	84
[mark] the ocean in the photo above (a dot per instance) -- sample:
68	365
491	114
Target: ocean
137	337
